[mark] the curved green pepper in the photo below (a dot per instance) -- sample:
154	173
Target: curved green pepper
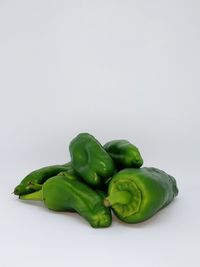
32	182
124	154
60	193
137	194
90	160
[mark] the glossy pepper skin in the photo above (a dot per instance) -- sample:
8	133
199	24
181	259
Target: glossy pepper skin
137	194
90	160
33	181
60	193
124	154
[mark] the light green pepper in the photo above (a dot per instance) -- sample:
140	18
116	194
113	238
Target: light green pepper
137	194
61	193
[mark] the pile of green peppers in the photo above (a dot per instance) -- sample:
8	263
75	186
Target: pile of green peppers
101	179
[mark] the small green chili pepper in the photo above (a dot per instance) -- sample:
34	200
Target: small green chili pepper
137	194
33	181
60	193
90	160
124	154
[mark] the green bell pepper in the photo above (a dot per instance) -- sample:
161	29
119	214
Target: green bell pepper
61	193
90	160
137	194
124	154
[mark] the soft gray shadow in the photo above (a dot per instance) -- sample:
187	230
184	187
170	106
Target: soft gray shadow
31	202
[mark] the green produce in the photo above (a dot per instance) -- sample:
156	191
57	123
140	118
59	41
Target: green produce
76	177
69	175
90	160
124	154
60	193
101	193
100	179
33	181
137	194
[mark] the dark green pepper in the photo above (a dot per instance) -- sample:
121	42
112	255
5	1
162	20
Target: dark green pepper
33	181
60	193
124	154
137	194
90	160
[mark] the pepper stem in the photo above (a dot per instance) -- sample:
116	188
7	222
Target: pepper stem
121	197
38	195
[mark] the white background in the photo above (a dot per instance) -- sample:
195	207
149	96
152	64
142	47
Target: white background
116	69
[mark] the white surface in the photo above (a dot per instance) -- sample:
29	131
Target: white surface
116	69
